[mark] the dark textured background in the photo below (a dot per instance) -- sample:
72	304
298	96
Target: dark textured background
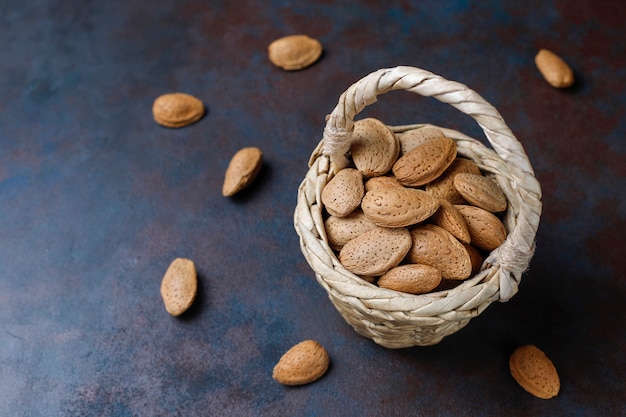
96	200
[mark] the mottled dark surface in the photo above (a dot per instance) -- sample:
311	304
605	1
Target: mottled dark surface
96	200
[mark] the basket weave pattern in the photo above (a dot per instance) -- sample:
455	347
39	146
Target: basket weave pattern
394	319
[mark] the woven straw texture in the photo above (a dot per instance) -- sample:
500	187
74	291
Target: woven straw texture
394	319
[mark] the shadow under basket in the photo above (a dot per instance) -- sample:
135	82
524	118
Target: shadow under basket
390	318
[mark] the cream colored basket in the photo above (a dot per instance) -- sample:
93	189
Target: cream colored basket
394	319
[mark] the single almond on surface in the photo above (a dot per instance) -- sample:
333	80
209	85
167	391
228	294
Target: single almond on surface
294	52
443	187
344	192
304	363
411	278
375	252
486	230
374	148
480	191
425	162
243	168
554	69
398	206
341	230
179	286
449	218
534	372
411	138
436	247
177	110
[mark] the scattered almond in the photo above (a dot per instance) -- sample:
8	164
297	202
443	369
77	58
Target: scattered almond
376	251
398	206
425	162
304	363
344	192
294	52
177	110
179	286
534	372
243	168
411	278
554	69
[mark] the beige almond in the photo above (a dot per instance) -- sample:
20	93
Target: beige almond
449	218
294	52
411	278
534	372
177	110
425	162
373	147
436	247
375	252
486	230
341	230
443	187
480	191
475	256
304	363
398	206
179	286
243	168
414	137
554	69
376	183
344	192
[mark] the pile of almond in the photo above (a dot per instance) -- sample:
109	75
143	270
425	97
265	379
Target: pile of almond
409	214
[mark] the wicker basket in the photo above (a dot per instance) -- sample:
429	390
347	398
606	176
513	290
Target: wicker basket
394	319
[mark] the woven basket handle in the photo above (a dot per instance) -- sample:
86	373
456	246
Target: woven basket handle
514	255
340	123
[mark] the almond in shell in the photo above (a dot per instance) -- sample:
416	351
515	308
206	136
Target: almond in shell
414	137
425	162
243	168
179	286
534	372
398	206
554	69
436	247
375	252
475	256
341	230
374	148
344	192
411	278
449	218
384	181
486	230
304	363
443	187
480	191
294	52
177	110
